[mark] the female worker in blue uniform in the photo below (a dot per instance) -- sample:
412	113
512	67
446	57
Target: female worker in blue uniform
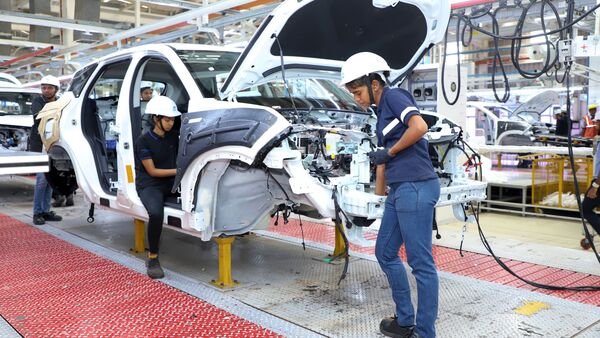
404	165
155	168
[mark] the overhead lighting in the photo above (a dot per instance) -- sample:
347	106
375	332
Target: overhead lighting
125	2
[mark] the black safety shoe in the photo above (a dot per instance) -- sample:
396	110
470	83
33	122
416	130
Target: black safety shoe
58	201
390	327
153	269
69	202
51	216
38	219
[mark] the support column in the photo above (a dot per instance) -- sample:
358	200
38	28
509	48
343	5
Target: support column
87	10
594	81
5	30
39	33
67	10
138	15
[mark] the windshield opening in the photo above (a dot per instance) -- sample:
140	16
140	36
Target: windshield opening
15	103
306	93
208	66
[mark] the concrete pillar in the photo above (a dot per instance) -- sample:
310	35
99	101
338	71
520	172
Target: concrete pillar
39	33
5	30
87	10
68	12
138	15
594	81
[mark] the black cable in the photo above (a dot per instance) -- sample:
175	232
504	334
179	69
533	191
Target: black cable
551	66
302	232
514	37
340	228
457	66
285	83
488	247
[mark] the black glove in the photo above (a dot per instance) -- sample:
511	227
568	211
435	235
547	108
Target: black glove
380	156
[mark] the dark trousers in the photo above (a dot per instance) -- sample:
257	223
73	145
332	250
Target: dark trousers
153	198
588	205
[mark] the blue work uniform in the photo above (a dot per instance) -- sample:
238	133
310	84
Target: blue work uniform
408	215
395	109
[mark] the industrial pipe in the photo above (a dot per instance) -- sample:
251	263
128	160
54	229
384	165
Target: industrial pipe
26	56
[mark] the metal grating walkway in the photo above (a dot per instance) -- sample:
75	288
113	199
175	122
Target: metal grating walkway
482	267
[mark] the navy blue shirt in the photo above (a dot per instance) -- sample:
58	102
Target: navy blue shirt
412	164
162	151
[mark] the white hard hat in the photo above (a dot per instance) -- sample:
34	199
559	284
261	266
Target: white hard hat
162	105
145	84
51	80
361	64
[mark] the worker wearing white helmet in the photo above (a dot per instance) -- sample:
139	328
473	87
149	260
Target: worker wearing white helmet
404	165
155	167
42	195
146	91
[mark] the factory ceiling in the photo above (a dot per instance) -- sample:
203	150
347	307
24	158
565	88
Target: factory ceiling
59	36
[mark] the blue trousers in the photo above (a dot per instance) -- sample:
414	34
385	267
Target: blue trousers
42	195
407	219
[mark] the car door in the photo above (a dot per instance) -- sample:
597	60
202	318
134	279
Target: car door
161	72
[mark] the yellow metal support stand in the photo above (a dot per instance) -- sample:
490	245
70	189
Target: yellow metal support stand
340	246
225	280
339	251
138	236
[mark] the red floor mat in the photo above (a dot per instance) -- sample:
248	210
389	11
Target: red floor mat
50	288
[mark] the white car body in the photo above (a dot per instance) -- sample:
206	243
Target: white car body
491	123
16	118
239	163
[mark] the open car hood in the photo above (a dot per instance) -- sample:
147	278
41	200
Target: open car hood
539	103
317	36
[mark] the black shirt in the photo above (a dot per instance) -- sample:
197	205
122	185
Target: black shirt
35	141
162	151
562	125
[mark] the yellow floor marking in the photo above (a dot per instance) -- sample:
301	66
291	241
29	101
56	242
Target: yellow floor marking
531	308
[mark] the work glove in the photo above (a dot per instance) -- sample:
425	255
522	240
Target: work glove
380	156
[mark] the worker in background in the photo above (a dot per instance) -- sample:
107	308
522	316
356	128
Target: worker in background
404	165
562	122
146	93
155	167
42	194
589	123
